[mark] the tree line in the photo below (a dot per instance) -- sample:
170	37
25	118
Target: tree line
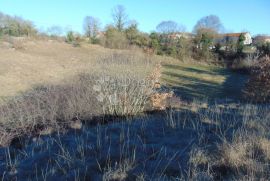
16	26
123	33
201	44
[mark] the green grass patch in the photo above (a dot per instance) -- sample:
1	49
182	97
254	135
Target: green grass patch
203	81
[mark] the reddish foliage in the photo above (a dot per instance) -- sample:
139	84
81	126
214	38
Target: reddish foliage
258	87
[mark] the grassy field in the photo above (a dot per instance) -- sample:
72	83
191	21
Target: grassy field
34	63
78	114
193	81
38	62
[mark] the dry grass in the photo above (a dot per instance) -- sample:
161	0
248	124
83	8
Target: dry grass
109	82
119	171
264	145
42	62
243	149
199	141
177	145
246	156
238	154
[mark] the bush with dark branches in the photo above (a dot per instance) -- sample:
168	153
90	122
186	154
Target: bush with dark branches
258	87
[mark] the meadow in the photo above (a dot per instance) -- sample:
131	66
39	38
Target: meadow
85	113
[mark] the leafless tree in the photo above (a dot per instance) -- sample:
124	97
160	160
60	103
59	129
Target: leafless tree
2	19
169	27
120	17
91	26
209	22
55	30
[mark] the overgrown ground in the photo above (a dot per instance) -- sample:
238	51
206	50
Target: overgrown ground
27	63
219	142
208	135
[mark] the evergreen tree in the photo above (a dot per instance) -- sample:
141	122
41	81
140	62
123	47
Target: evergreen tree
240	43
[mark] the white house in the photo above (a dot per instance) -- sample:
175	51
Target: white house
179	35
234	37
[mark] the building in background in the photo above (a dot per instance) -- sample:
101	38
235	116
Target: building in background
233	38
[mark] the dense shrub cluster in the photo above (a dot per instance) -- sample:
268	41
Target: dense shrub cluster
15	26
47	107
73	39
200	46
264	48
114	38
131	36
83	97
258	86
163	44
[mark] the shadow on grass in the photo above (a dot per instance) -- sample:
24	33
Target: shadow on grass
189	87
194	69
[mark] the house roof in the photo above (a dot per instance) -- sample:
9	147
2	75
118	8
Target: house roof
262	37
233	34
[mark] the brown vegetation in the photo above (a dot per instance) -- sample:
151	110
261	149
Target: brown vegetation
160	100
96	100
258	86
89	86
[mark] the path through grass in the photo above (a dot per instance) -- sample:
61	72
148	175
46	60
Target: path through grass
203	81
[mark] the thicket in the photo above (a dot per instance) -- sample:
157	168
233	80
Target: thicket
258	87
201	46
83	97
264	49
73	39
16	26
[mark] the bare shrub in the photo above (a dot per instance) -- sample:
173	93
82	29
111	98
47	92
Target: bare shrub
15	42
159	100
124	95
258	87
246	63
50	106
53	107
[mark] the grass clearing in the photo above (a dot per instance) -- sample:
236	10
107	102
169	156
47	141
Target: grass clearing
193	81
